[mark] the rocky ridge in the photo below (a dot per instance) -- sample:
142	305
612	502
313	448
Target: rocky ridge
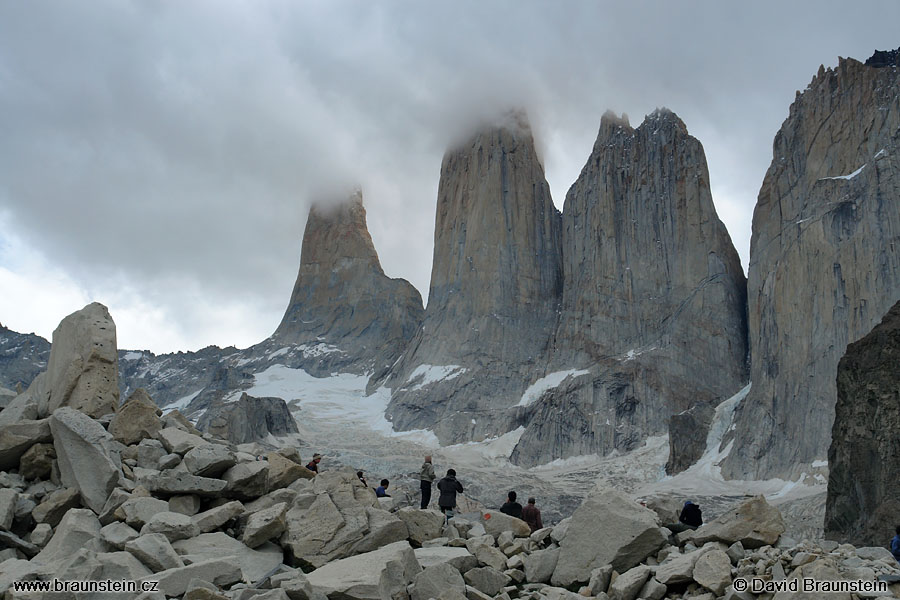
863	490
824	263
495	284
653	312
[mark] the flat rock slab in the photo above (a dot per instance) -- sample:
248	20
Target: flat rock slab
254	563
754	523
460	558
221	571
172	483
383	573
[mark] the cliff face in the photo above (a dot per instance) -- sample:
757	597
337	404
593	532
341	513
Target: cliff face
653	308
824	262
864	457
344	311
495	286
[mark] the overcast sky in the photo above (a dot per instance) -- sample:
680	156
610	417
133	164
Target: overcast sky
160	157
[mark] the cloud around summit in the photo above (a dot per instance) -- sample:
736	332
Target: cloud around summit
161	157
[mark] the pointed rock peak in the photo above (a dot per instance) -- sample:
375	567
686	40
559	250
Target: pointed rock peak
884	58
337	231
612	121
663	117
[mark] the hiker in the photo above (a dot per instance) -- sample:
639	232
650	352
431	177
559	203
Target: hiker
448	487
381	490
895	545
359	475
512	508
426	475
313	465
531	514
691	515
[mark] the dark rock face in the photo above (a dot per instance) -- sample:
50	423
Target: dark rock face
654	303
884	58
22	357
824	262
344	311
247	419
864	458
495	286
687	436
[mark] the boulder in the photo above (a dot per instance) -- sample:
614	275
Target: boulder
377	575
77	529
423	525
8	499
629	584
246	481
264	525
496	522
83	371
138	511
55	505
214	518
247	419
209	460
654	590
87	455
713	571
178	441
155	551
254	563
491	557
117	534
17	437
222	571
136	419
187	504
608	528
147	453
539	566
40	535
435	580
174	483
459	558
487	580
754	523
383	528
599	581
12	541
37	462
174	526
678	568
283	471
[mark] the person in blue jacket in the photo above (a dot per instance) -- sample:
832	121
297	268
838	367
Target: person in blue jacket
381	490
895	545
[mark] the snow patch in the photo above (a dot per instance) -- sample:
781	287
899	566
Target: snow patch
319	349
880	153
490	449
816	464
181	403
545	383
425	375
280	352
846	177
133	356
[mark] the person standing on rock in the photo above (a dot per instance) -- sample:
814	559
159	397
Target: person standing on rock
511	507
531	514
895	545
448	487
314	463
427	477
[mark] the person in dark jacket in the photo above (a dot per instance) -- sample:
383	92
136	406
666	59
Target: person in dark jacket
362	479
512	508
895	545
448	487
531	514
381	490
427	477
691	515
313	465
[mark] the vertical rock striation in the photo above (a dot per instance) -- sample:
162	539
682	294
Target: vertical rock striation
495	286
653	316
824	262
864	458
344	310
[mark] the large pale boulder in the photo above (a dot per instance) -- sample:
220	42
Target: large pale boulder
253	563
608	528
539	566
487	580
322	532
264	525
629	584
155	551
78	527
174	483
247	480
214	518
221	571
55	505
283	471
137	511
8	498
713	571
423	525
83	371
460	558
178	441
382	574
436	580
678	568
175	526
209	460
87	455
18	437
136	419
496	522
754	523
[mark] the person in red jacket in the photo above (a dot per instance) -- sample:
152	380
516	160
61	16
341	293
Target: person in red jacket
531	514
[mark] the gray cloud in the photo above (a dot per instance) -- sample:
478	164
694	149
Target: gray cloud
165	154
